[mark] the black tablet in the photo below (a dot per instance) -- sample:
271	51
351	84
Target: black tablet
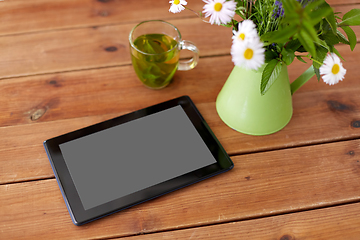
124	161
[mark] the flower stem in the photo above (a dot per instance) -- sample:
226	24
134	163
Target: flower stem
234	24
249	5
199	14
310	58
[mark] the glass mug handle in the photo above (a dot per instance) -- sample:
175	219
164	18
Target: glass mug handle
185	65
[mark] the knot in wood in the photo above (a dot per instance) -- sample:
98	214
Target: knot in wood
37	114
338	106
351	153
287	237
111	49
55	83
355	124
104	13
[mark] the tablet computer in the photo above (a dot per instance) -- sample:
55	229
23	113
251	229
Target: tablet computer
124	161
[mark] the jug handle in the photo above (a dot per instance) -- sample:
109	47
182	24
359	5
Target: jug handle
302	79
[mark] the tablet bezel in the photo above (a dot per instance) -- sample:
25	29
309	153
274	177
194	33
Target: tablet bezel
81	216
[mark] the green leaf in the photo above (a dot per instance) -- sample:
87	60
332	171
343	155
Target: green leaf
342	38
151	46
293	45
293	12
291	20
287	56
351	36
317	73
321	53
330	38
307	43
270	55
269	75
279	36
324	11
351	18
301	49
330	18
323	44
337	53
290	6
310	31
313	5
300	59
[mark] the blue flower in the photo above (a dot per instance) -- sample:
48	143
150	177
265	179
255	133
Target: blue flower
278	10
304	2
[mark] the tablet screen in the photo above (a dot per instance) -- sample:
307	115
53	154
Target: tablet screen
133	156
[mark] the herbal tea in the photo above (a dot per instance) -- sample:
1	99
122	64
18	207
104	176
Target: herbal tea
155	65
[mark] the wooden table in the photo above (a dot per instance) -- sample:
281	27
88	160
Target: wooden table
65	64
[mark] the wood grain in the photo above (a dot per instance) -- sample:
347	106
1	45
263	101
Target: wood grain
68	101
99	46
94	47
260	185
102	91
65	64
23	16
305	128
325	224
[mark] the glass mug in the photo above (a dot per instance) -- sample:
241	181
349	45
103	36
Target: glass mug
155	47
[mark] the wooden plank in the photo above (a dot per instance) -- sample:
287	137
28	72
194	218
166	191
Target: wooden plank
260	185
103	91
86	48
335	223
24	164
22	16
345	2
75	49
94	47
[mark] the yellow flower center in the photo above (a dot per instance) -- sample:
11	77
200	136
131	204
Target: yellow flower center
248	54
242	36
218	7
176	2
335	69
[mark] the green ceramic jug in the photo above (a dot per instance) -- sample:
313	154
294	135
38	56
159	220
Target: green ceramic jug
241	106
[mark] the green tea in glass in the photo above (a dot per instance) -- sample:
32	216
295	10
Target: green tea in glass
155	48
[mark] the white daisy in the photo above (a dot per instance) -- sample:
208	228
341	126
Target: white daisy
248	54
246	30
177	6
332	70
220	11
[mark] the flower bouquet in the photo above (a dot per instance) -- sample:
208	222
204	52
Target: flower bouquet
271	33
268	35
